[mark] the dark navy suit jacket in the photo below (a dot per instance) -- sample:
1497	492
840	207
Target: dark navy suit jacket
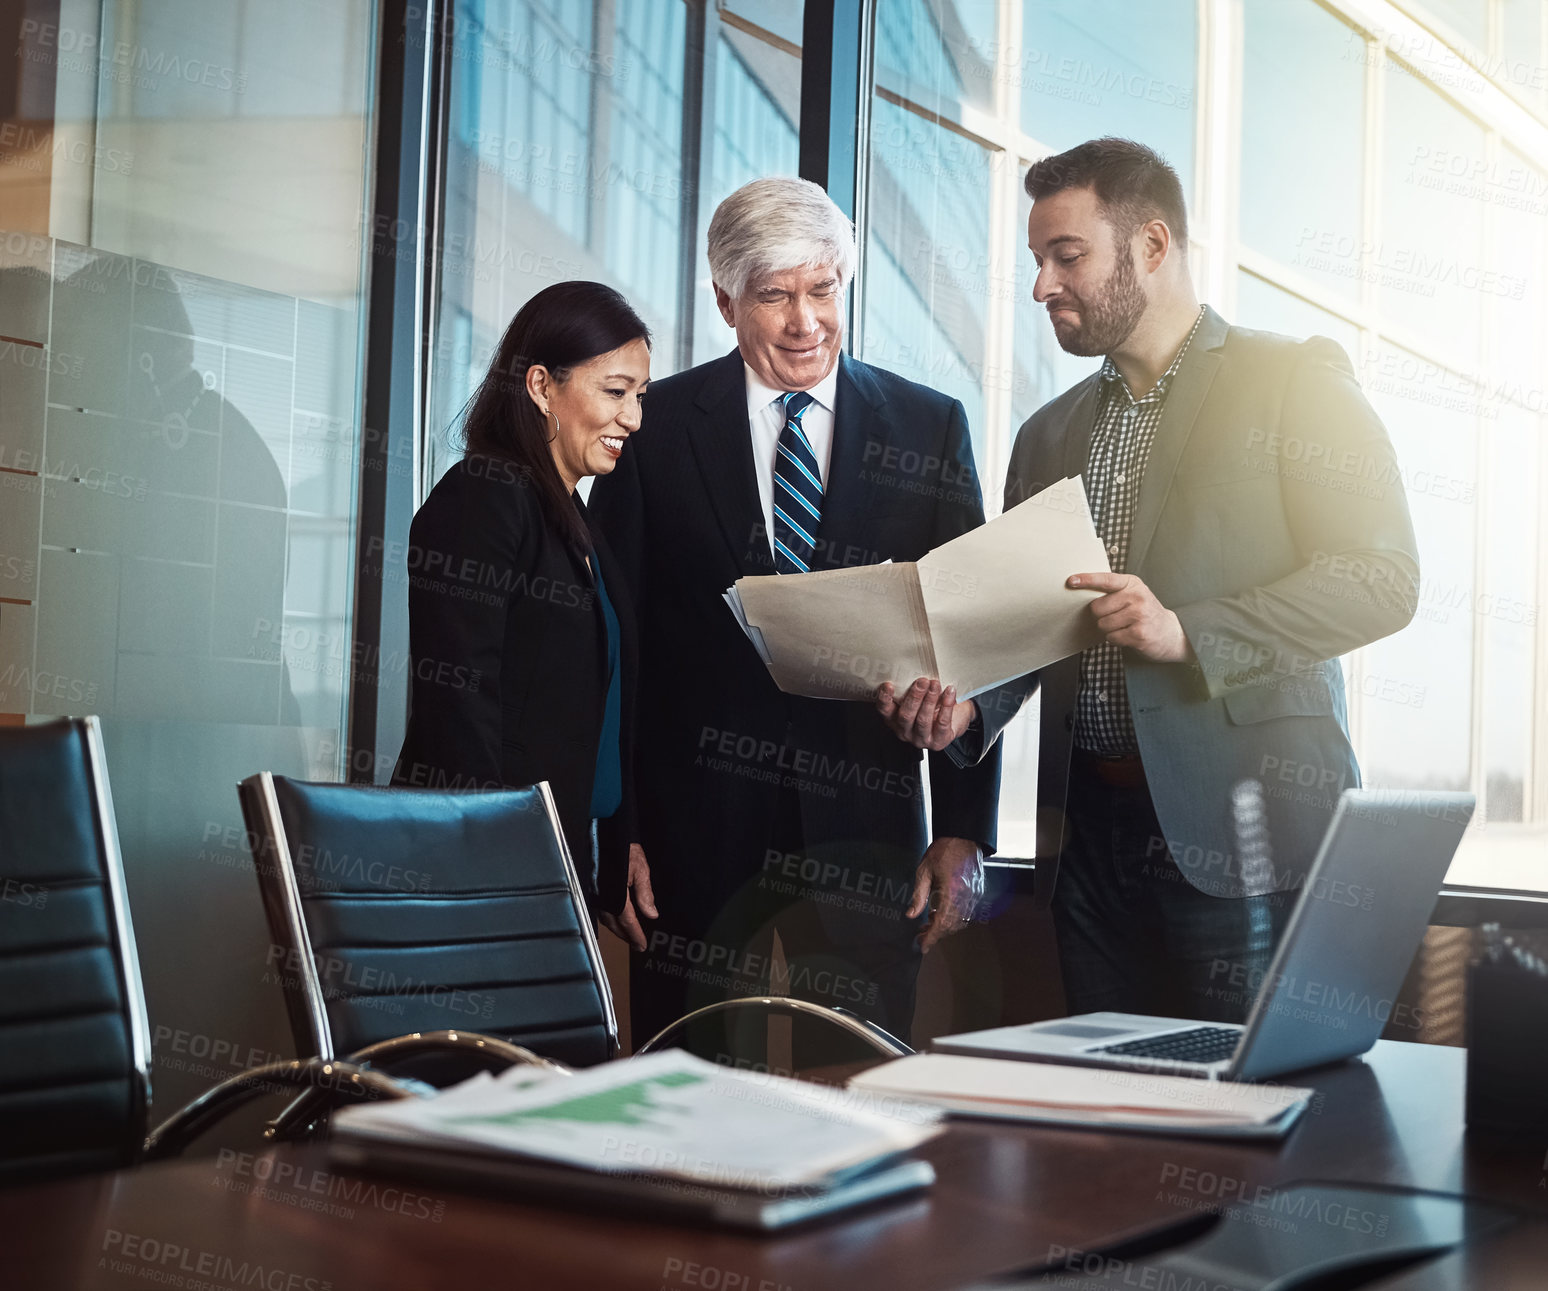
716	739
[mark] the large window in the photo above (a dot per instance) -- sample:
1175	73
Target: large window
1375	173
565	160
926	303
1421	250
1087	68
1302	189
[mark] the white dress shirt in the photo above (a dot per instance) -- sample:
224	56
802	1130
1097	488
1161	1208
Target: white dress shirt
766	417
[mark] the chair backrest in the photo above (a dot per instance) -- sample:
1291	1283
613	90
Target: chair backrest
74	1040
394	911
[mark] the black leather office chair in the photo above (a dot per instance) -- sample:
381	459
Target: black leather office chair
74	1040
406	918
402	917
74	1036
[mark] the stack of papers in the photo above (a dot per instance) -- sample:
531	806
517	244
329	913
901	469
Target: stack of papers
665	1132
1095	1097
973	613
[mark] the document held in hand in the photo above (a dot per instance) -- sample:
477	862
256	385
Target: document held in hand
975	612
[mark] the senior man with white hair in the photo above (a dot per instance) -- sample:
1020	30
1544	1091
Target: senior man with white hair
763	811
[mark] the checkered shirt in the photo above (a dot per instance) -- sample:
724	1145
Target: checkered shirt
1120	450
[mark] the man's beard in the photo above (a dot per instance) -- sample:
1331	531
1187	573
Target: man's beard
1108	320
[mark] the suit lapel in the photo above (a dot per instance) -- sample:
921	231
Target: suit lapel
1082	424
1189	389
847	497
721	437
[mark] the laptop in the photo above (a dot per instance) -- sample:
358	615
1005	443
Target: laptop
1332	983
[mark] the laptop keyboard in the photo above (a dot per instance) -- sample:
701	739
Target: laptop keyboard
1199	1044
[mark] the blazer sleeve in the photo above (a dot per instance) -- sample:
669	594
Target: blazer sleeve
964	798
466	550
1358	579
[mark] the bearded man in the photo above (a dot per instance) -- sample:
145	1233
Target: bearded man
1257	529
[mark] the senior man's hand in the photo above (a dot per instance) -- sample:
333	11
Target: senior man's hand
640	900
949	883
925	715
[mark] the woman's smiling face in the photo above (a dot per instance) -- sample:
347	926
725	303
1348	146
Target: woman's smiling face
598	407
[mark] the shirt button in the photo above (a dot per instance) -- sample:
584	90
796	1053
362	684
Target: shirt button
1120	478
1112	549
1101	697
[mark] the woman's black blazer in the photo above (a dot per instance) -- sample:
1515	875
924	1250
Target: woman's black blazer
508	652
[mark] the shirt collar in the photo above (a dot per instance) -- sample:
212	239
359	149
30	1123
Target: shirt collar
760	396
1110	373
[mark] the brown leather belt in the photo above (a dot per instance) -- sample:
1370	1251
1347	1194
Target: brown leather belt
1121	771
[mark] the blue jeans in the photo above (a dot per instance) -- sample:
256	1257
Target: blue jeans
1134	935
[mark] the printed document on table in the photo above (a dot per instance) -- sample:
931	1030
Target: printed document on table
1094	1097
668	1114
977	611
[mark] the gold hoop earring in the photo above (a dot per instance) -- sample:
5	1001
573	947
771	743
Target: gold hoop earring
555	416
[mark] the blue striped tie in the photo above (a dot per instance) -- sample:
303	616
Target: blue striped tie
797	491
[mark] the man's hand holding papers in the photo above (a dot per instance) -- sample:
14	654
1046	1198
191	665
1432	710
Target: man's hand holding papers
931	717
1129	614
988	606
925	715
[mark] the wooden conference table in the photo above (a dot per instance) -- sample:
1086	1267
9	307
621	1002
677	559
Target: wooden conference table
1007	1196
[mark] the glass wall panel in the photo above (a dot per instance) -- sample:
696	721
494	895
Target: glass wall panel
1508	608
1303	105
757	106
1428	263
245	141
938	49
179	396
1417	686
566	161
1262	305
927	257
780	18
1088	68
1468	18
1524	48
1515	194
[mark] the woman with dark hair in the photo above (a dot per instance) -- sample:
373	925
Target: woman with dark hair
521	639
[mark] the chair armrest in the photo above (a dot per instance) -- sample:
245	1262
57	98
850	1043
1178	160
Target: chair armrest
882	1041
300	1116
333	1081
499	1054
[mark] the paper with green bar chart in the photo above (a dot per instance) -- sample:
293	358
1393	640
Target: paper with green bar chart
667	1114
